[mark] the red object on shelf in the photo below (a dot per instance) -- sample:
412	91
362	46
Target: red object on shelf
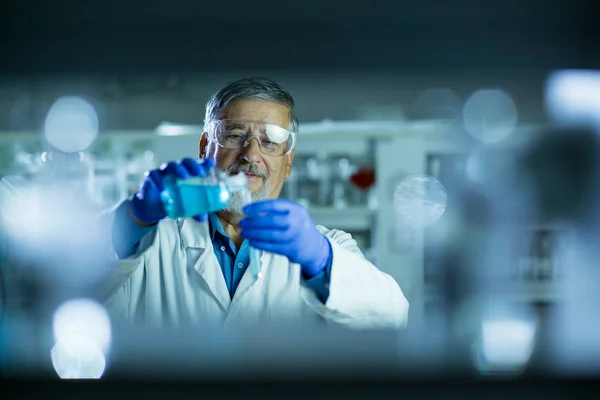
363	178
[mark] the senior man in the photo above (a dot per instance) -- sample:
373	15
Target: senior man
194	271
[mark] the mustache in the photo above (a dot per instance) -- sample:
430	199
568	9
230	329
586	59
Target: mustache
248	169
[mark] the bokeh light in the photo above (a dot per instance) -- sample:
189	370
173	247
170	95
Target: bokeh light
506	345
573	97
71	124
420	200
490	115
45	221
82	332
83	317
78	357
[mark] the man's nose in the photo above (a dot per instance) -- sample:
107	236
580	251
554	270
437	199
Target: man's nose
251	152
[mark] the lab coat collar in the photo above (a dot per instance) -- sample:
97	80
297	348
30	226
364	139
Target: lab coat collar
195	239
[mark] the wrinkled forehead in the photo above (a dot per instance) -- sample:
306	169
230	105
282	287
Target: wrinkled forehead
258	110
246	125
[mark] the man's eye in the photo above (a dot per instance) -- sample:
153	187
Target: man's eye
269	144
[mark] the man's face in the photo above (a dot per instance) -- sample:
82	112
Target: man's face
265	173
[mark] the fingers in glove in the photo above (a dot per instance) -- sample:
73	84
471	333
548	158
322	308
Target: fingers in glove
277	206
156	179
174	168
194	167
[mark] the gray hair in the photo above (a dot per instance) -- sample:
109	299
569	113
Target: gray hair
246	89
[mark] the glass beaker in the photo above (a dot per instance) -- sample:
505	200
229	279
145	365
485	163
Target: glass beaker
188	197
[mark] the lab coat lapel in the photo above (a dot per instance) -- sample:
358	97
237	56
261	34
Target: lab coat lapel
196	241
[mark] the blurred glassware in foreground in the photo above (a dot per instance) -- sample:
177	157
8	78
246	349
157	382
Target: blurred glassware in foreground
82	332
78	357
505	345
57	251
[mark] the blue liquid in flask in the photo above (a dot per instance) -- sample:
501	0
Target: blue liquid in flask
190	197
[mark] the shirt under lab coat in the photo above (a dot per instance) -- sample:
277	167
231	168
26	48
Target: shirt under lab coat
174	280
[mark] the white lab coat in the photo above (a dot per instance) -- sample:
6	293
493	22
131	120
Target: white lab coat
174	280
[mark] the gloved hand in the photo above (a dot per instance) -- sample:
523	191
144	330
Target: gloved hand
146	204
284	227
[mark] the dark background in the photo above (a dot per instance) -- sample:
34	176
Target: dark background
137	36
142	62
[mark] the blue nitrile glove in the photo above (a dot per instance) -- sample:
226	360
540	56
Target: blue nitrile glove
146	204
284	227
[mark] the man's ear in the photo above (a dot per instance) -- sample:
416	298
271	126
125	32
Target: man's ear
288	170
202	146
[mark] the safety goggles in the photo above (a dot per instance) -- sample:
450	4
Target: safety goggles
236	134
